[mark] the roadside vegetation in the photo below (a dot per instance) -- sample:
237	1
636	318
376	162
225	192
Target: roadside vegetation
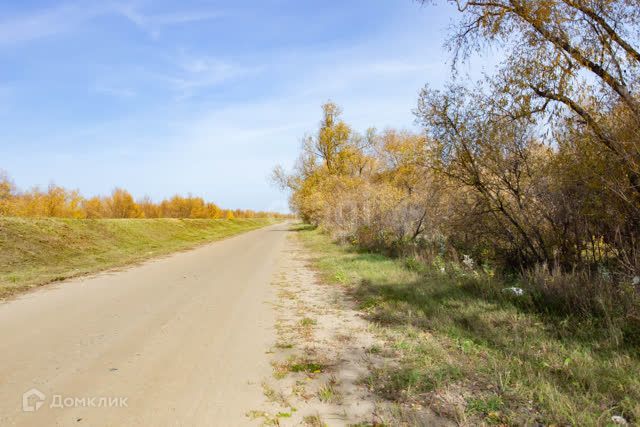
499	246
457	345
59	202
35	251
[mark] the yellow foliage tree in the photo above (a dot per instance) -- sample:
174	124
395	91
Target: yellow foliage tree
122	205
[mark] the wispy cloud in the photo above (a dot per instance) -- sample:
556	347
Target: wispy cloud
68	16
189	75
202	72
46	23
154	23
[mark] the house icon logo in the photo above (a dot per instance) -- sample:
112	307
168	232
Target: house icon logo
32	400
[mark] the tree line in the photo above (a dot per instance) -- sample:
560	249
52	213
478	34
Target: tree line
59	202
533	171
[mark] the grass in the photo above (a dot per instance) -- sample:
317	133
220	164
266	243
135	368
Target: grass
329	393
297	365
479	358
313	421
274	396
34	252
308	322
308	367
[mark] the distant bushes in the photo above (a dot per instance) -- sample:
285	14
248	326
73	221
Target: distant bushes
59	202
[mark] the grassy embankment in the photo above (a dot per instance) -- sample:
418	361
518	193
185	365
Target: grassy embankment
475	358
38	251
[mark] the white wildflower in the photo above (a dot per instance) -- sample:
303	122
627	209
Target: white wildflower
515	291
468	262
617	419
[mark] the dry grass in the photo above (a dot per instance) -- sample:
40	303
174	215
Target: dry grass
38	251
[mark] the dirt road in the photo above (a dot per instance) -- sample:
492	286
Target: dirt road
175	341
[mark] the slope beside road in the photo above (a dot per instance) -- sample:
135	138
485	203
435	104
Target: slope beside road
175	341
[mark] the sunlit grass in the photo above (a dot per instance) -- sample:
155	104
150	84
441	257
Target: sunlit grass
38	251
489	359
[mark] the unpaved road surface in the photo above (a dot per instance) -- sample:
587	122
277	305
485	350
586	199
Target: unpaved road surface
175	341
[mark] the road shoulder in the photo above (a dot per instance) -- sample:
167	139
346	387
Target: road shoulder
323	354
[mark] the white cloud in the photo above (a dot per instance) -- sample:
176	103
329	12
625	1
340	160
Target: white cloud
189	75
154	23
46	23
204	72
66	17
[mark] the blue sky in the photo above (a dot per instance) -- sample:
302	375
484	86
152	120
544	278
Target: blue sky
201	97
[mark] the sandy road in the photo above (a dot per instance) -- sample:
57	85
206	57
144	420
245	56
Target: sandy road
182	339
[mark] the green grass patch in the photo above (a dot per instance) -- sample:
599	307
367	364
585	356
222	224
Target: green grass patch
329	393
485	405
503	363
308	322
284	345
309	367
297	365
38	251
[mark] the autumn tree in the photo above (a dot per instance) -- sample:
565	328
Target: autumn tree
57	201
148	208
500	159
570	75
94	208
122	205
7	190
564	58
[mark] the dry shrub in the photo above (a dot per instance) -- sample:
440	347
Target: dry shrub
587	296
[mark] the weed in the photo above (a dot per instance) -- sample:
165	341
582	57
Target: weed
310	367
307	322
328	393
281	369
274	396
485	405
284	345
313	421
